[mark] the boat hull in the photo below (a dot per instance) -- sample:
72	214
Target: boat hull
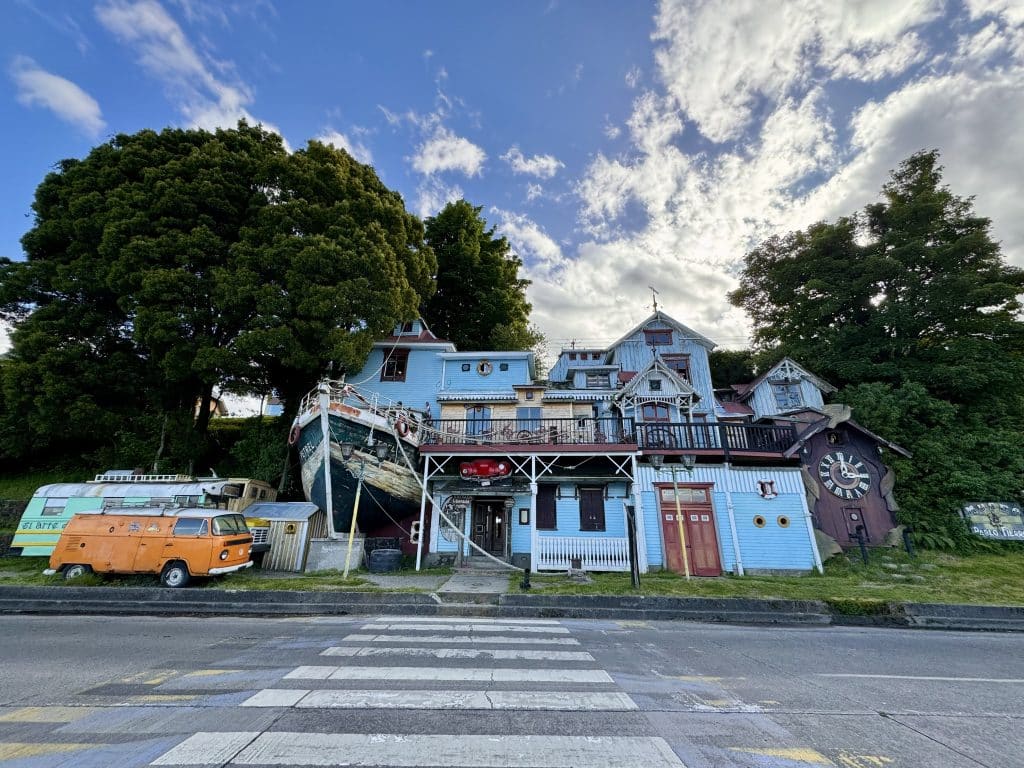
391	491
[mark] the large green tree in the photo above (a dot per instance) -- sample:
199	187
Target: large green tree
166	264
911	307
480	301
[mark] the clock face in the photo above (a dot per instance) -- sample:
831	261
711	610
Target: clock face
844	475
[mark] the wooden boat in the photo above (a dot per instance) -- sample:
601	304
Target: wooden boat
391	489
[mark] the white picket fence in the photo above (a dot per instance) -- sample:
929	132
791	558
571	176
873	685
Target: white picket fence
557	553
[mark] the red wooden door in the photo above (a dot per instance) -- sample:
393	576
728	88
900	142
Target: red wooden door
699	529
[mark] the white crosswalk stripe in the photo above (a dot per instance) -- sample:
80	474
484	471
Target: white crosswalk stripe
450	674
329	749
470	639
498	654
417	662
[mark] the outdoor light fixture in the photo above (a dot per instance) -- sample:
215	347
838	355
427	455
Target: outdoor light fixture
657	460
688	460
347	449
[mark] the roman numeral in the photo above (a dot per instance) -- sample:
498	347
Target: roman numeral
864	485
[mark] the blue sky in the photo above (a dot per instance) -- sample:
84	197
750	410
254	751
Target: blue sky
617	144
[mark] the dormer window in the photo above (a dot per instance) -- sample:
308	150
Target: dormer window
787	395
678	364
396	363
597	381
409	327
658	337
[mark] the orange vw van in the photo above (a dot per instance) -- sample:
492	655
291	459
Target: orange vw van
175	543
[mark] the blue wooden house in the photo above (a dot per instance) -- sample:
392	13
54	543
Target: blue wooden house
546	473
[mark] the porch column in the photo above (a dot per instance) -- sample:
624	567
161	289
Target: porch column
641	538
423	510
533	514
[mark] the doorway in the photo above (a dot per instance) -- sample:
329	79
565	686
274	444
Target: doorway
699	527
490	526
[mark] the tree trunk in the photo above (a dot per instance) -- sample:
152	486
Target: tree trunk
160	448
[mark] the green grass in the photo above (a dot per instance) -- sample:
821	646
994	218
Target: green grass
850	587
22	486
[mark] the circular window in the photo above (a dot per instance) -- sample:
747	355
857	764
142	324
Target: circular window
484	367
759	521
783	521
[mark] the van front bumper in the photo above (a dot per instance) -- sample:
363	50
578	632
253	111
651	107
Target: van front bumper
230	568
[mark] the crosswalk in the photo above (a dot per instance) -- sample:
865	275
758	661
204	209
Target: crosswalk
427	692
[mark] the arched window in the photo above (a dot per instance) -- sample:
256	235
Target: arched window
478	419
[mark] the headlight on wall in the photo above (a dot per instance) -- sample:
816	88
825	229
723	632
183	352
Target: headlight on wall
224	555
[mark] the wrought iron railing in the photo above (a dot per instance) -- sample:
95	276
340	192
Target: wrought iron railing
612	431
650	436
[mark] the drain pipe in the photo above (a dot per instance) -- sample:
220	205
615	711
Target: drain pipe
732	519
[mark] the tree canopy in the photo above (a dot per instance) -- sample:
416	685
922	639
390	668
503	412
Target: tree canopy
480	301
911	307
167	263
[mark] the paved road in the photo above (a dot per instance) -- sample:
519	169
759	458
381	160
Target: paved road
96	692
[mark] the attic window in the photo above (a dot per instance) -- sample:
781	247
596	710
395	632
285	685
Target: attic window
655	385
502	366
409	327
787	396
597	381
658	337
595	356
679	364
395	365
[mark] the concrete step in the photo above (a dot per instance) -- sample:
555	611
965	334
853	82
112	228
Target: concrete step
468	609
467	598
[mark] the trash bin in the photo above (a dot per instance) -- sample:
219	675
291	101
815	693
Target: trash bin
384	560
380	542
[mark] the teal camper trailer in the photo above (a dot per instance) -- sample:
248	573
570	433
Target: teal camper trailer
52	506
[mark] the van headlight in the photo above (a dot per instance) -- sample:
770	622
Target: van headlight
224	555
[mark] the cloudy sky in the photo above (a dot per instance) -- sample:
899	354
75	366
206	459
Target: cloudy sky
617	145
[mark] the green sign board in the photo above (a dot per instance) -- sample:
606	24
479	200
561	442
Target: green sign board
995	519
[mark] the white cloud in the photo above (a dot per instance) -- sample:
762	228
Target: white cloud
718	60
543	166
633	77
39	88
533	191
444	151
357	149
433	194
165	53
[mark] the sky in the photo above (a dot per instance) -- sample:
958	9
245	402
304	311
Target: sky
617	145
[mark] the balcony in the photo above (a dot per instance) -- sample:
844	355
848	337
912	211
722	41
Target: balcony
607	434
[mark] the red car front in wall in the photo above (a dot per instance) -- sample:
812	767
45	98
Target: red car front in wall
484	469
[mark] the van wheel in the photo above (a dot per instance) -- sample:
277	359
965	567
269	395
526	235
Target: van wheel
75	571
175	575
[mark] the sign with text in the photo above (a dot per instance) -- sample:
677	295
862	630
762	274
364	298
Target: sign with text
995	519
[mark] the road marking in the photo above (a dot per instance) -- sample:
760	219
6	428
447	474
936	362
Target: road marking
384	699
275	697
464	674
496	640
156	698
212	672
460	627
797	754
461	620
207	749
357	749
462	653
14	750
47	714
846	760
1016	680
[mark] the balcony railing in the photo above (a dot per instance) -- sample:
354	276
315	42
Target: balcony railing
727	438
612	431
651	436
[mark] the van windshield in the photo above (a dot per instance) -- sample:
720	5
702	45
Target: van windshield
225	524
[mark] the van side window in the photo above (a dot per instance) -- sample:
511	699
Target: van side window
190	526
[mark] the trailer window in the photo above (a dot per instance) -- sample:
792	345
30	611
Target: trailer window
225	524
190	526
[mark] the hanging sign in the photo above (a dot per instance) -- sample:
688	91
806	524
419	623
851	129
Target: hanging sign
484	469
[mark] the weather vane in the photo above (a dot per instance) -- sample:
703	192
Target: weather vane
654	296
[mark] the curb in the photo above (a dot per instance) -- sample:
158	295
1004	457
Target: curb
145	601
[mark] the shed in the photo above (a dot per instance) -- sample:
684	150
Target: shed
288	527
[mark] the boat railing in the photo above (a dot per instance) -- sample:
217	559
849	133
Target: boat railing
600	431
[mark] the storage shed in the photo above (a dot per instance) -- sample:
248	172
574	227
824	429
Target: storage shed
289	527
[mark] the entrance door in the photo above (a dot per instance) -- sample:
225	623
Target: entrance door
699	528
490	526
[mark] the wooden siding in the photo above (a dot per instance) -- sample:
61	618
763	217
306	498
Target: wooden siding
763	400
634	354
457	380
422	379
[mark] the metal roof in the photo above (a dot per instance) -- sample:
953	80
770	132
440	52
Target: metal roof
282	510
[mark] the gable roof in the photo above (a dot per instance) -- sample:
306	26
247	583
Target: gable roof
835	415
683	330
656	365
425	336
746	390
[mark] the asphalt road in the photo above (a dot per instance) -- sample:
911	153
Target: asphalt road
94	692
